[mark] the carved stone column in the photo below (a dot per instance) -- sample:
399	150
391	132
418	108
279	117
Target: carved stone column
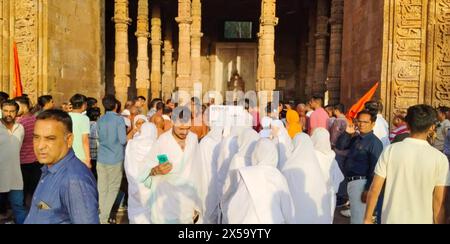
311	46
302	63
334	66
184	20
156	52
142	34
168	81
196	41
122	63
267	51
321	47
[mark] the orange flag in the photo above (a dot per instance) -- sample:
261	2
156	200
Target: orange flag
359	106
19	88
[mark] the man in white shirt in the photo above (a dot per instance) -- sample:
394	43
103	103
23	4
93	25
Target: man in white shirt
11	138
442	128
381	129
415	175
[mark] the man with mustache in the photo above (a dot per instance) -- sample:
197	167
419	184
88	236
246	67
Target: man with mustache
11	138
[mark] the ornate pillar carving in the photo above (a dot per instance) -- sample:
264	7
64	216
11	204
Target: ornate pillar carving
321	47
156	52
142	34
168	81
267	68
122	63
196	41
184	20
334	65
311	45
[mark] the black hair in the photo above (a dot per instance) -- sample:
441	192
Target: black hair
44	100
78	100
11	103
167	110
93	113
196	101
443	109
340	107
3	97
318	99
154	102
373	115
142	98
376	106
59	116
109	103
168	101
160	106
420	118
181	114
25	100
91	102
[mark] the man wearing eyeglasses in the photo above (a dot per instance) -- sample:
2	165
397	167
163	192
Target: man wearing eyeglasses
364	149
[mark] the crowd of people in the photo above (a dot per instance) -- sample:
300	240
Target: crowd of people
286	164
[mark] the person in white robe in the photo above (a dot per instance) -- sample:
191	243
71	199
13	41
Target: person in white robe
283	142
330	168
260	193
266	131
307	184
174	195
138	194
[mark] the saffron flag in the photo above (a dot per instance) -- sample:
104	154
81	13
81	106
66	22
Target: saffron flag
359	106
19	88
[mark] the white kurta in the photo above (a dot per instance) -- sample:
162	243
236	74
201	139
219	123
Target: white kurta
327	162
10	145
307	184
138	194
174	198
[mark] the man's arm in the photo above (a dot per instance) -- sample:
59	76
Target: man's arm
372	198
122	132
87	151
374	155
439	197
80	201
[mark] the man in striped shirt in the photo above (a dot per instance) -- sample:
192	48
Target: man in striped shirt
401	130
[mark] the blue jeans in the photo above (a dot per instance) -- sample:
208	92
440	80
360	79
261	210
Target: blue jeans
357	207
18	208
342	192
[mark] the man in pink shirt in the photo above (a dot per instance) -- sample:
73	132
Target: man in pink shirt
31	169
319	117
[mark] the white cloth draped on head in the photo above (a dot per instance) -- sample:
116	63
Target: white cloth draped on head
138	194
261	196
327	162
139	117
265	154
283	142
243	158
174	198
266	132
208	178
307	184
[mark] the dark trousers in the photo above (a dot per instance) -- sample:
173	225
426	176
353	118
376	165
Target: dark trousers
31	174
342	194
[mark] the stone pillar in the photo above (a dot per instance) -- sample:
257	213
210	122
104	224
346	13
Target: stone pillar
156	52
302	62
168	81
319	87
334	66
311	46
196	41
269	20
184	20
142	34
122	63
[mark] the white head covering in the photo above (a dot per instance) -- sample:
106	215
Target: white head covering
307	184
136	151
139	117
265	154
261	196
327	162
126	112
266	132
283	142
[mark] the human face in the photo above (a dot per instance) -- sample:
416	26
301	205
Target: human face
9	114
139	123
51	141
365	124
181	130
441	116
49	105
23	109
140	103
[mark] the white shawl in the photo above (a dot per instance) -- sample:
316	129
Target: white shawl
283	142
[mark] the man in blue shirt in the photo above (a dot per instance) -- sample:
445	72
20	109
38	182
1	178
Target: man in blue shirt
364	149
67	192
112	139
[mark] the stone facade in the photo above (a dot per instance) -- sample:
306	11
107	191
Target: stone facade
331	47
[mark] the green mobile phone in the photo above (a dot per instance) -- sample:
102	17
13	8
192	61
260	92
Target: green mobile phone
162	159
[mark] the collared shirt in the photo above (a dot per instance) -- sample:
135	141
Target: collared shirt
447	145
441	132
66	194
27	155
10	144
403	129
93	140
363	154
81	127
112	139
